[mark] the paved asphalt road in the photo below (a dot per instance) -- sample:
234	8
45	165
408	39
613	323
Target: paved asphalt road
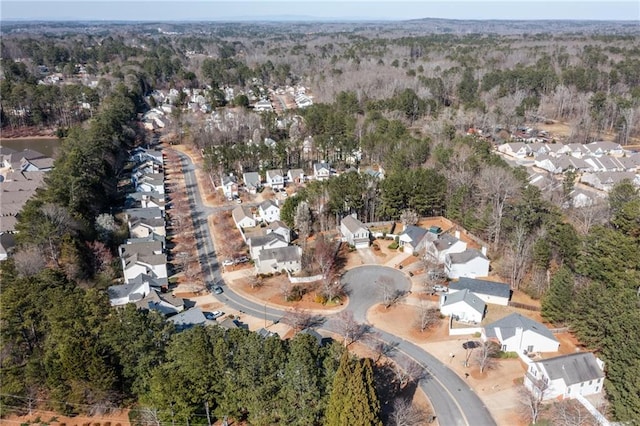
453	401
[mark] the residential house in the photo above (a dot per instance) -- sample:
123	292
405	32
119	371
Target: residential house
269	211
413	239
577	150
262	242
605	164
278	227
230	186
263	105
277	259
127	293
443	245
515	149
165	303
252	182
189	318
579	198
145	200
155	283
517	333
142	155
354	232
275	179
631	162
243	217
295	176
140	227
600	148
566	376
321	171
561	164
605	181
153	182
470	263
489	291
538	148
143	258
26	160
557	149
43	164
463	306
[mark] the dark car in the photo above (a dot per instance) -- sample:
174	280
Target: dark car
217	289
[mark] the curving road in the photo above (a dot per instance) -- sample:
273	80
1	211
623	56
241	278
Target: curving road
453	401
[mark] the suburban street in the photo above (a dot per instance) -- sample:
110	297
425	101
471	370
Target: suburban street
453	401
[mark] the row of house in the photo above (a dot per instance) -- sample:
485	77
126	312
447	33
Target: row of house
269	245
565	376
575	150
21	174
143	255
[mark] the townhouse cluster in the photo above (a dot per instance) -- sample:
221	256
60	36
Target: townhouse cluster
143	255
21	174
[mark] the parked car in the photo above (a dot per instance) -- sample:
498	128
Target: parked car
440	288
217	289
213	315
228	262
238	201
242	259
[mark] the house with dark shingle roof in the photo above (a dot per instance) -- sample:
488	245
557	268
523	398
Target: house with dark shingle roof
287	258
444	244
278	227
252	181
517	333
413	239
470	263
189	318
491	292
567	376
127	293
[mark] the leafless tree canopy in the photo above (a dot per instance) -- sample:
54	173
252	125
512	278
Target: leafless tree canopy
484	356
407	414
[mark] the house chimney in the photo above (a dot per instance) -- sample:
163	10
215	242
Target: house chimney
484	250
457	234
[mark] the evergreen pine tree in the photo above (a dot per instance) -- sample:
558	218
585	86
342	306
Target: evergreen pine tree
338	399
557	302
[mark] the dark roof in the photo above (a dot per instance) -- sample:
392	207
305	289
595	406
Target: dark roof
144	212
445	241
510	323
124	290
467	297
465	256
281	254
276	224
263	240
573	368
188	318
415	233
482	287
268	203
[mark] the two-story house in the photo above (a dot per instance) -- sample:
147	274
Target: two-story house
275	179
269	211
354	232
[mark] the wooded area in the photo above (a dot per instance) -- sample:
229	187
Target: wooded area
400	102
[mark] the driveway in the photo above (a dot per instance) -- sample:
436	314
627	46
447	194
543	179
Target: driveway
454	402
367	256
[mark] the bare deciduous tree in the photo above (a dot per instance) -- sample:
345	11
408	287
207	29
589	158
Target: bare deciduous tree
302	222
407	371
298	319
408	217
498	185
406	414
570	412
29	261
517	255
531	400
485	355
350	329
583	218
428	316
390	295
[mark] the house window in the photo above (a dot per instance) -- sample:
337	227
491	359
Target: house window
590	381
597	388
582	384
504	348
530	348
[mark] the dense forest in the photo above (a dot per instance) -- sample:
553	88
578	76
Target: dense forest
383	97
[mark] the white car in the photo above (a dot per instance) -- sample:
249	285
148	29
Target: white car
228	262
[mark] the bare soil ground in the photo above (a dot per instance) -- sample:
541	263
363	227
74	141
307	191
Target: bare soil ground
40	417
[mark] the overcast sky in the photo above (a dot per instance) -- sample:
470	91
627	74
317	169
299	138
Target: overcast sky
205	10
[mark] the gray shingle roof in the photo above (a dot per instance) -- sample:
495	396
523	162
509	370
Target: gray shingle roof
281	254
467	297
573	368
489	288
251	179
188	318
266	204
241	212
415	233
445	241
353	224
510	323
262	240
124	290
465	256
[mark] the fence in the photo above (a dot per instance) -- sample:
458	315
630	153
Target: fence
524	306
301	280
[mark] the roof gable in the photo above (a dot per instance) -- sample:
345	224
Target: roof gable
573	368
510	323
482	287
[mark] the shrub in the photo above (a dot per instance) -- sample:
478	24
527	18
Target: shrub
320	298
393	245
507	355
375	246
296	294
476	334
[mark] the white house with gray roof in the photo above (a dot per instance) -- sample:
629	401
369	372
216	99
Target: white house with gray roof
275	179
354	232
165	303
269	211
443	245
412	239
127	293
567	376
491	292
272	260
321	171
252	181
189	318
517	333
278	227
265	242
463	306
243	217
470	263
295	176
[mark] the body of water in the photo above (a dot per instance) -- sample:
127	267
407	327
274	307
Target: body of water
46	146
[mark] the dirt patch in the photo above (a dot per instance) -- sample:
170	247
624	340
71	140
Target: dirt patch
117	418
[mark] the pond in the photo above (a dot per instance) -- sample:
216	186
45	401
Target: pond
46	146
